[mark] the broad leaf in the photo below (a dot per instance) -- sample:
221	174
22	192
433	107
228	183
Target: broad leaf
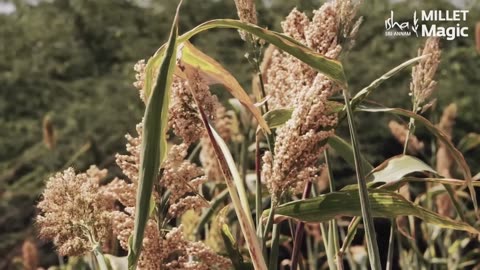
385	204
457	155
154	143
395	168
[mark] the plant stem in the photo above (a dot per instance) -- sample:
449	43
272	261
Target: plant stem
272	265
326	243
391	241
352	229
363	191
268	225
258	190
411	129
299	232
333	229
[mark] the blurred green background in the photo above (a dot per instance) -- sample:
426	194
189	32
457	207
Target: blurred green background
71	62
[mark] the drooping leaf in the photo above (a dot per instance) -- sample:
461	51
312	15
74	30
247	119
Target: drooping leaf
456	155
385	204
330	67
214	73
235	186
395	168
469	142
345	150
154	143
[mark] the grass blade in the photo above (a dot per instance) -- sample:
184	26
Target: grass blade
244	217
395	168
154	143
235	187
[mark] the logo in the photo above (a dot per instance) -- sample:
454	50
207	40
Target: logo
428	26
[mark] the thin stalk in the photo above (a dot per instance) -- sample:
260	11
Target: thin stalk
273	262
410	131
333	228
262	87
257	54
456	205
258	190
299	232
391	241
332	245
399	247
352	229
373	252
244	155
351	264
310	253
326	243
268	226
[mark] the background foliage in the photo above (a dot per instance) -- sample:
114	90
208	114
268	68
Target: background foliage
72	60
